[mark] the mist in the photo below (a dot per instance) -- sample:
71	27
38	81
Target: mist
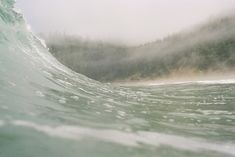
125	21
111	40
204	49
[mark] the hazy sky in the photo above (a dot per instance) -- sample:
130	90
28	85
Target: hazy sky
130	21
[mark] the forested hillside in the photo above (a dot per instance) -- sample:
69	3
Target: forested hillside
207	47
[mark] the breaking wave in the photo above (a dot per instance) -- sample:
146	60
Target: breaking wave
47	109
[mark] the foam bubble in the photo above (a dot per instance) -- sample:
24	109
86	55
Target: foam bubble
130	139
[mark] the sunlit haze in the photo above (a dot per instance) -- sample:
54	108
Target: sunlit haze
127	21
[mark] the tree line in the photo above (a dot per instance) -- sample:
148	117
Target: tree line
206	47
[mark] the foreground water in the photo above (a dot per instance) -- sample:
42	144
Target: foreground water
48	110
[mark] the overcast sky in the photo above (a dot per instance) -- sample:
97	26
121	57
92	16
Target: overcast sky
130	21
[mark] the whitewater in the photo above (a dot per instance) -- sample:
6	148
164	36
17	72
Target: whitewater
47	110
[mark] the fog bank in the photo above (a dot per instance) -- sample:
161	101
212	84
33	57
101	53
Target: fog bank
127	21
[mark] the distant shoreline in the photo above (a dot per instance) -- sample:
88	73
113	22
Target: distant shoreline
208	78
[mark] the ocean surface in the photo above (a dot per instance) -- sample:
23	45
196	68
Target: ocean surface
47	110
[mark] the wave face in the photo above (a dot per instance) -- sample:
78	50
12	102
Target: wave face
48	110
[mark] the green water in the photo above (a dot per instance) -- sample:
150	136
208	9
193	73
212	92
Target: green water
47	110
